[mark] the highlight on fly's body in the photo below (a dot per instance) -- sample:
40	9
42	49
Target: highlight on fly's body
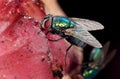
77	28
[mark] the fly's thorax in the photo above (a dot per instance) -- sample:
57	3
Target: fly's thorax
54	31
62	23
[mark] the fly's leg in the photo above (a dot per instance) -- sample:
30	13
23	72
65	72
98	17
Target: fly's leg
55	39
67	53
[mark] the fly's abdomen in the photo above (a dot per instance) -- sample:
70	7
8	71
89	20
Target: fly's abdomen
61	23
76	41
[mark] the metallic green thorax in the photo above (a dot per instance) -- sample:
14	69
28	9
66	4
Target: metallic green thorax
62	23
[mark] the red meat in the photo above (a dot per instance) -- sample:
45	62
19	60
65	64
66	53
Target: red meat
25	52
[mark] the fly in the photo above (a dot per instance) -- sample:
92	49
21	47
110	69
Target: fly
75	30
97	61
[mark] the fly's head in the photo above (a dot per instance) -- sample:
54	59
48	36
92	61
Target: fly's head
46	23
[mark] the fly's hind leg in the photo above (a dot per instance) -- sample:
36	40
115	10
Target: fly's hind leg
67	53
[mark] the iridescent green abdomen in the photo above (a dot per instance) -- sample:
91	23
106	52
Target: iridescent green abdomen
62	23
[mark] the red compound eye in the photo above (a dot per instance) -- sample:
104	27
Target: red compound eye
47	24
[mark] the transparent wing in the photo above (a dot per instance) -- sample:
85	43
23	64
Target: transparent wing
106	48
82	34
88	24
106	58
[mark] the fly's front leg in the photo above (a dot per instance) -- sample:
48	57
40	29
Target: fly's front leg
56	39
63	37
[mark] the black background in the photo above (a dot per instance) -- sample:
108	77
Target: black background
105	12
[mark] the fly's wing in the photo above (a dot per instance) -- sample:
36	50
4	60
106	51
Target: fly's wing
82	34
107	56
106	48
87	24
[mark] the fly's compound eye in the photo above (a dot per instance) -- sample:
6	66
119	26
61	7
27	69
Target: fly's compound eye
46	22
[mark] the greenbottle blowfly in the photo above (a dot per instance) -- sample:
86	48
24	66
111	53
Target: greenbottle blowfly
74	30
97	61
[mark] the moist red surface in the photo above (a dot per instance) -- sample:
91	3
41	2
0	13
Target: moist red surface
25	52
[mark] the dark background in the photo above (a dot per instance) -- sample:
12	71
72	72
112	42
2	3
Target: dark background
105	12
